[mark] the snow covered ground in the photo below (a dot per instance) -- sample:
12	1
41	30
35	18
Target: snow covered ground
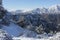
55	37
14	30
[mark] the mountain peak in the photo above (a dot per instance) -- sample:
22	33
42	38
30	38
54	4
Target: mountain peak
54	8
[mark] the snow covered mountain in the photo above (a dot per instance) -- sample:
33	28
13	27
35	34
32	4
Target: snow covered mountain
15	30
40	10
52	9
16	12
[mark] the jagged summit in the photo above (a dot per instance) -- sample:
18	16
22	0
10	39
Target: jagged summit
54	8
51	9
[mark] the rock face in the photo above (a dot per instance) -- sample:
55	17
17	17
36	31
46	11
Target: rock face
4	35
2	12
0	2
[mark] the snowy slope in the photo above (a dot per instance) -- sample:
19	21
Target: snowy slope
5	36
13	29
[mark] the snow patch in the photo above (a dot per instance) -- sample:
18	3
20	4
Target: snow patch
13	29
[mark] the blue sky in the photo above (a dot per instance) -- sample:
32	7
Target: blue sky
28	4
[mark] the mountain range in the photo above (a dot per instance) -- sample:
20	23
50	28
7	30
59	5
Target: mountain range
52	9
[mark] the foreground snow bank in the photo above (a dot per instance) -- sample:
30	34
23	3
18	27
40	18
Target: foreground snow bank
55	37
4	35
25	38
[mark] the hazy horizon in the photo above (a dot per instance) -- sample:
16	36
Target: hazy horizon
28	4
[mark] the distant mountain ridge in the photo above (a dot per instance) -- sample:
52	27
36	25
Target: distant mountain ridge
52	9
